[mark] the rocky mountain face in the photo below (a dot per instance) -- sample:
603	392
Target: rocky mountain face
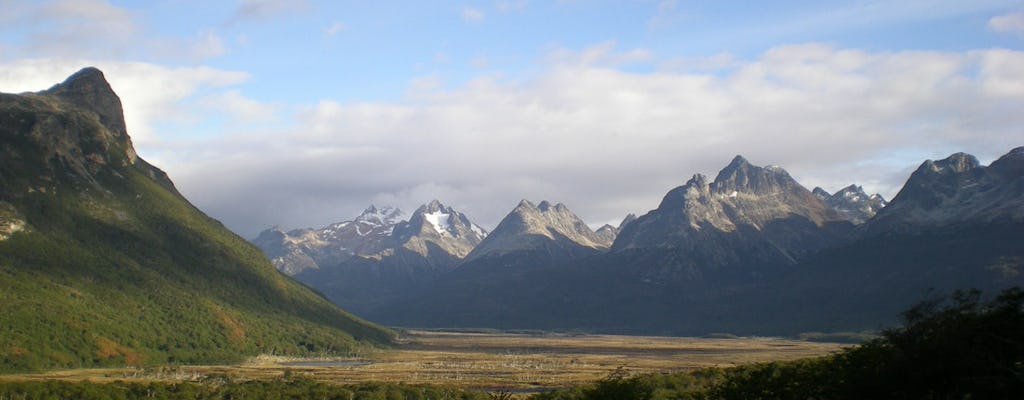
752	252
956	191
439	234
410	255
297	250
607	233
546	228
852	203
749	215
103	262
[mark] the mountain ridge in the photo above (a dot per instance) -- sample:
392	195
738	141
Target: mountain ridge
112	266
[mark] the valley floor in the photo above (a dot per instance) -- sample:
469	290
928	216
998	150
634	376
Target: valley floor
495	361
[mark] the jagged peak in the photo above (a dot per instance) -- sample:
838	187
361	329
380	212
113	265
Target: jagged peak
525	204
821	193
738	161
853	188
383	214
955	163
433	206
626	221
697	180
89	89
741	176
544	205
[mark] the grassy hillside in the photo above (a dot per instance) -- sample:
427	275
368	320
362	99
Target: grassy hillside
114	267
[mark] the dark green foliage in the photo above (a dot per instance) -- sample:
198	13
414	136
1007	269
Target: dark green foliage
103	281
268	390
690	385
948	348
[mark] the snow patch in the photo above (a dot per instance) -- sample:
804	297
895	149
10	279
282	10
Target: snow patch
478	230
439	220
734	194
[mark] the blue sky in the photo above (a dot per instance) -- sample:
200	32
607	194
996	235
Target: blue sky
302	113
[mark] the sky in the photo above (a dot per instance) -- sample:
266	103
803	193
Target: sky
301	113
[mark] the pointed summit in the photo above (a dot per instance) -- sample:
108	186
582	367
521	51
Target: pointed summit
761	208
439	234
852	203
554	229
88	89
742	177
956	190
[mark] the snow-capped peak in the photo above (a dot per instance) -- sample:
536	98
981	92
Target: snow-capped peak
439	220
384	216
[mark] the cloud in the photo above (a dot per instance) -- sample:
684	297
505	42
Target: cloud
607	142
335	29
71	28
1008	23
603	54
666	14
208	44
257	10
473	15
240	108
506	6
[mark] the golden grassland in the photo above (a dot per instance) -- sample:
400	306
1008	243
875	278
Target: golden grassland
485	360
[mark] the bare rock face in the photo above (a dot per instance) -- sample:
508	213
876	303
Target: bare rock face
748	215
956	191
439	234
852	203
300	249
553	229
606	235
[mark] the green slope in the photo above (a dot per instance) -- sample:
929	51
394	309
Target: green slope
114	267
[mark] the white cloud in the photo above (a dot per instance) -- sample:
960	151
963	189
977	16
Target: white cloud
506	6
240	108
608	142
1009	23
666	14
601	54
71	28
335	29
473	15
208	44
254	10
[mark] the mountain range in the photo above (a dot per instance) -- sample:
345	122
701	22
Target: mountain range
751	251
104	263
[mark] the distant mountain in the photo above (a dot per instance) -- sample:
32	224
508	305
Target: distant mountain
955	191
104	263
434	240
439	234
297	250
748	216
852	203
607	233
550	229
752	252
